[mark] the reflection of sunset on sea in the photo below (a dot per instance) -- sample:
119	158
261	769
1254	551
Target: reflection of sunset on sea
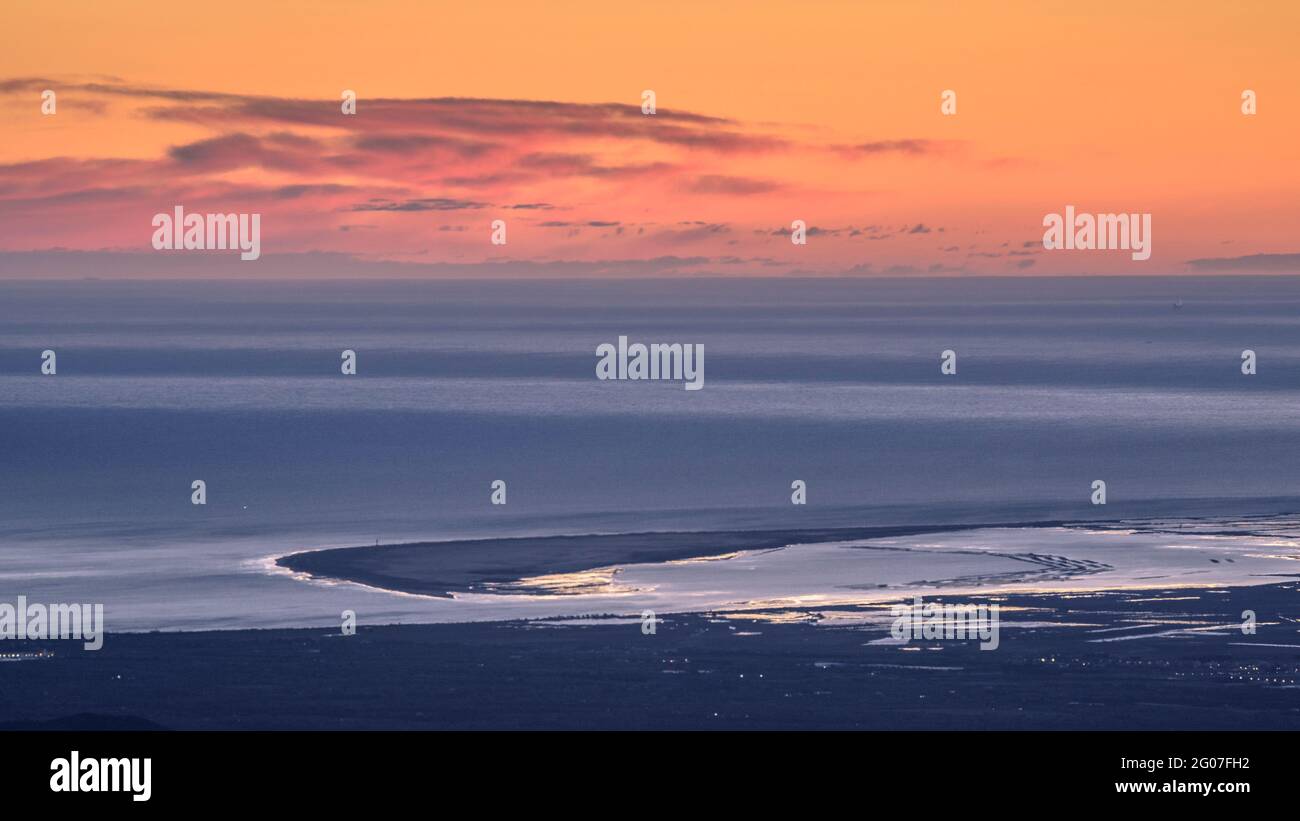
829	113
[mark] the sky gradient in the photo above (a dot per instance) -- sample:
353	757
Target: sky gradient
531	113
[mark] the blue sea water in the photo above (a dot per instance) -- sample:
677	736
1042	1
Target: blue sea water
836	382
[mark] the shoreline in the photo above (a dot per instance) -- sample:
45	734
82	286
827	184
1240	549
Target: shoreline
1157	658
442	569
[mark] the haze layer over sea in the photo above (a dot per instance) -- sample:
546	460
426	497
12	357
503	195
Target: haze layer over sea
1059	382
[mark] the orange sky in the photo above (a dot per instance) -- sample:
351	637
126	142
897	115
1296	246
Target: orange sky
1097	105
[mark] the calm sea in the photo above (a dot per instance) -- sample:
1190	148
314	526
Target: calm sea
1059	382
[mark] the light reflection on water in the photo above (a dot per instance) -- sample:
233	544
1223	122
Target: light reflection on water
232	584
837	583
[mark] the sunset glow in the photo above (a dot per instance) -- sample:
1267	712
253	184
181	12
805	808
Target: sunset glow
828	114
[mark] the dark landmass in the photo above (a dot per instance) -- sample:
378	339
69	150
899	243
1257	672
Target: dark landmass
443	568
701	672
85	722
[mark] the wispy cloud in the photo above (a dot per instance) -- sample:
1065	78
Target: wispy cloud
573	179
1261	263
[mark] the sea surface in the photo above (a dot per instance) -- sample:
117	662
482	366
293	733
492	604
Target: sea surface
1060	382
